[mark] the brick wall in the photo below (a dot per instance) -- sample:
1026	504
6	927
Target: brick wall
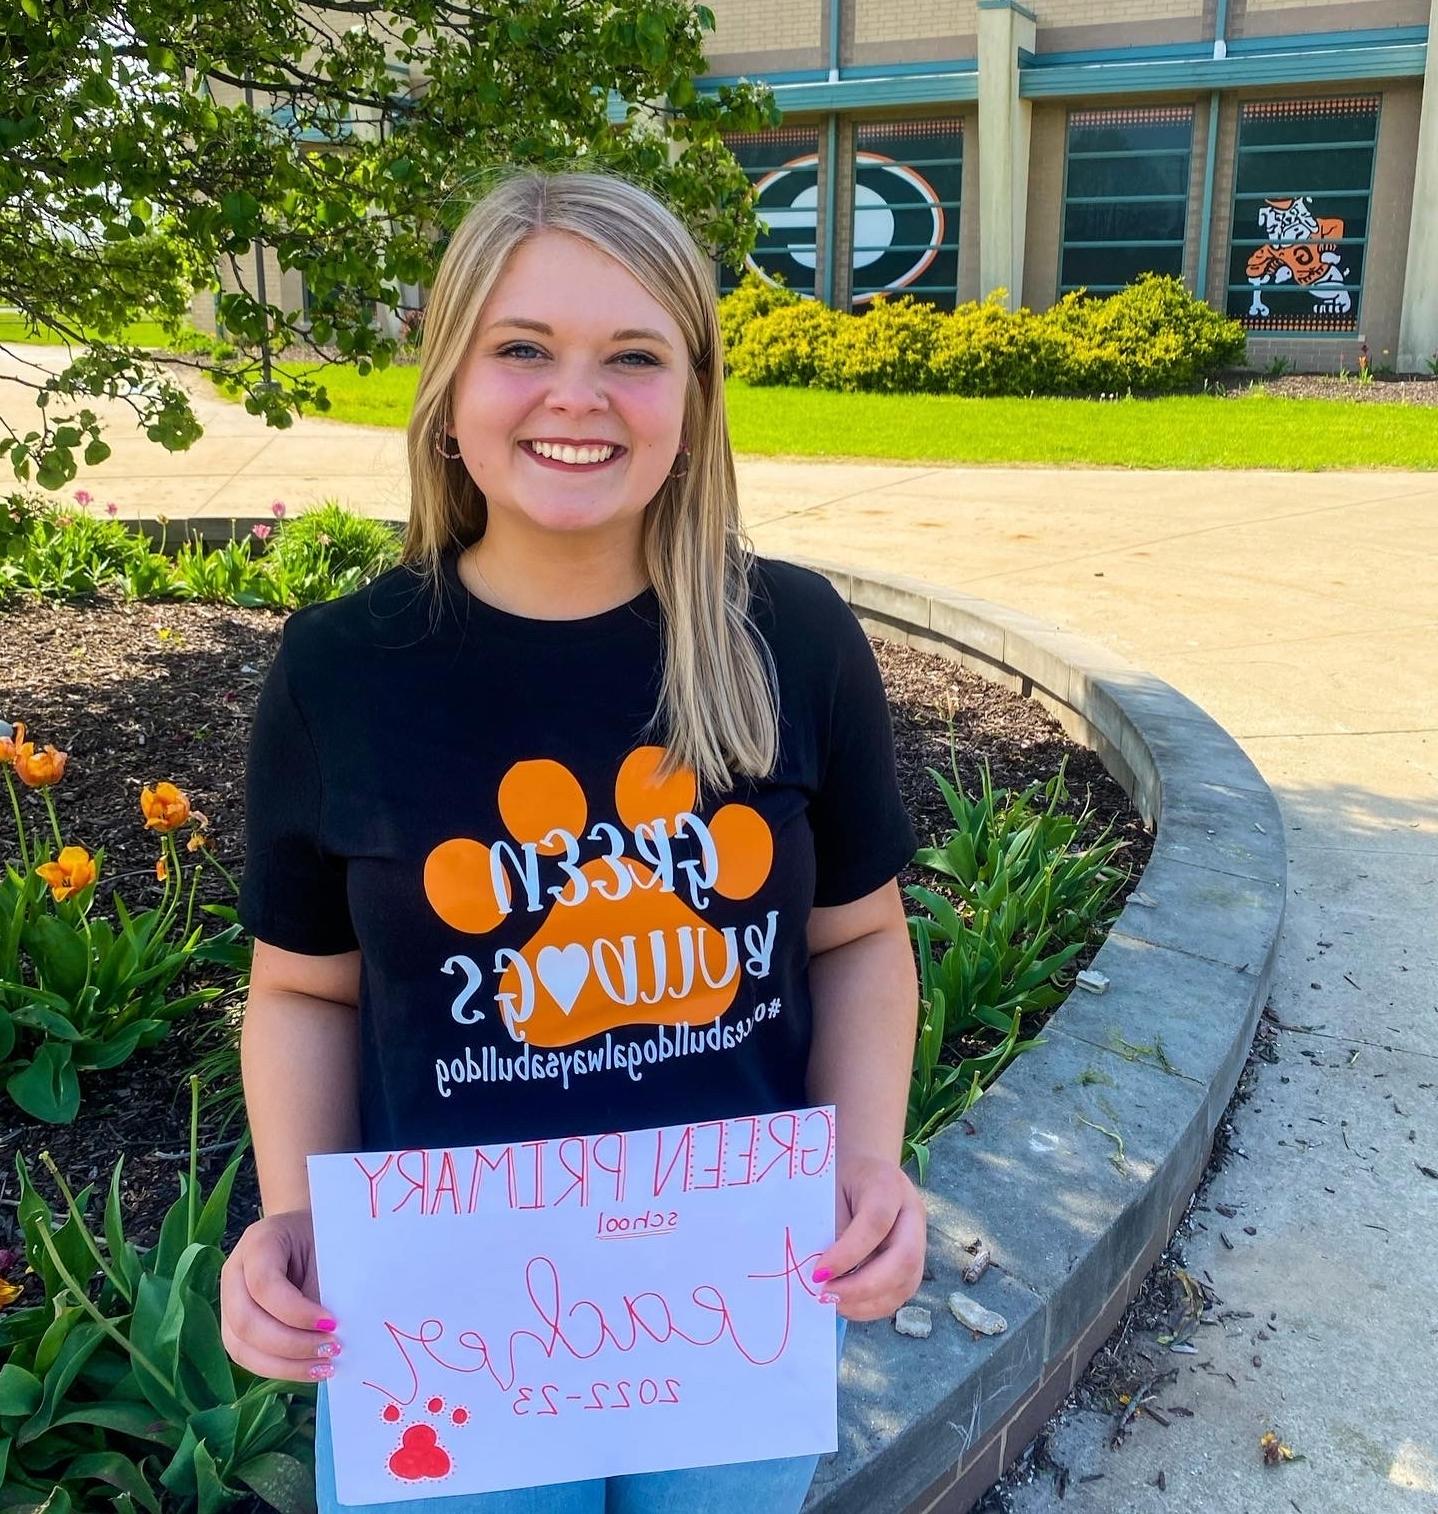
1273	18
757	26
1370	12
881	20
1110	12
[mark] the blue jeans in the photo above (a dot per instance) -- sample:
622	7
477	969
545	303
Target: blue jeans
776	1486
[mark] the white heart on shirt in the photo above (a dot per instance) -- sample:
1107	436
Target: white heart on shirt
562	970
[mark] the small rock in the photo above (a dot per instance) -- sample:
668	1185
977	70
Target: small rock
1095	982
912	1320
975	1317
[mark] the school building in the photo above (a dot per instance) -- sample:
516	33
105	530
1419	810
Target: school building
1280	156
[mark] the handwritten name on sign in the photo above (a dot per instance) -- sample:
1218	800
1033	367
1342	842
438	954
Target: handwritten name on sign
503	1328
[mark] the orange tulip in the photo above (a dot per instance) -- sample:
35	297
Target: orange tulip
9	1292
37	770
8	744
162	869
73	870
165	807
196	843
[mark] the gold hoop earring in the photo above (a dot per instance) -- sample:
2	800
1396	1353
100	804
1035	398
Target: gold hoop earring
439	440
684	453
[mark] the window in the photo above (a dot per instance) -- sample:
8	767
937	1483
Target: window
1300	213
907	182
783	166
1125	195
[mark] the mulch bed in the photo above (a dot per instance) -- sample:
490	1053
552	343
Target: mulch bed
132	706
1325	386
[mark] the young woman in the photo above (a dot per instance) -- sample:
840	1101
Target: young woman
581	710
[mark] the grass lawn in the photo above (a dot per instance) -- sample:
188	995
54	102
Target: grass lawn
1258	430
13	328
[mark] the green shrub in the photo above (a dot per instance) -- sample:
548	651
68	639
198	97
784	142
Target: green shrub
888	350
1157	334
984	349
754	297
1151	337
787	345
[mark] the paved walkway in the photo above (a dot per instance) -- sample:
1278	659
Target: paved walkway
1302	612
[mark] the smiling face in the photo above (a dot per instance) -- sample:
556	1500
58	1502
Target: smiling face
610	371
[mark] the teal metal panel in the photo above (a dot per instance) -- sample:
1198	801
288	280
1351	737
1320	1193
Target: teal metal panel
1312	66
857	94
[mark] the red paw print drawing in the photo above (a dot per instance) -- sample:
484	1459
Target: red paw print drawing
419	1454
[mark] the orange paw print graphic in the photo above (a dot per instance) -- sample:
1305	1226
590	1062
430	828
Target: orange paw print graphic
420	1455
620	938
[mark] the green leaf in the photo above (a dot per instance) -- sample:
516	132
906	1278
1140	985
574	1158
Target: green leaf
214	1217
59	951
124	1259
95	1055
116	1470
49	1022
152	1298
128	1417
282	1481
47	1087
218	1428
79	1345
204	1362
20	1391
57	1503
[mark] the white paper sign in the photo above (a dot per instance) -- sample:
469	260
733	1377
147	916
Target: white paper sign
503	1327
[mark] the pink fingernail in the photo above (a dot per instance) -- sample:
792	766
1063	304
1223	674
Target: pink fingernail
322	1369
326	1324
328	1348
828	1298
823	1274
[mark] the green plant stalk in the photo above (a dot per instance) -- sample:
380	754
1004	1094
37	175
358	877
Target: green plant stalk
194	1156
83	1299
194	884
54	818
225	873
70	1204
19	820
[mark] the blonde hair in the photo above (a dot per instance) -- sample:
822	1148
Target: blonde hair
717	709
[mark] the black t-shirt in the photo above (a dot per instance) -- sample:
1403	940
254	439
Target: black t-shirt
551	944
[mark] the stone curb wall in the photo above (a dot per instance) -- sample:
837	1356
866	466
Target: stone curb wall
1086	1150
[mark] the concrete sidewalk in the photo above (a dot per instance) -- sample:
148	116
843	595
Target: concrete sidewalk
1301	612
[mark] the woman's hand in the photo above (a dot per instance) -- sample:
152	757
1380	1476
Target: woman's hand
270	1318
877	1261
